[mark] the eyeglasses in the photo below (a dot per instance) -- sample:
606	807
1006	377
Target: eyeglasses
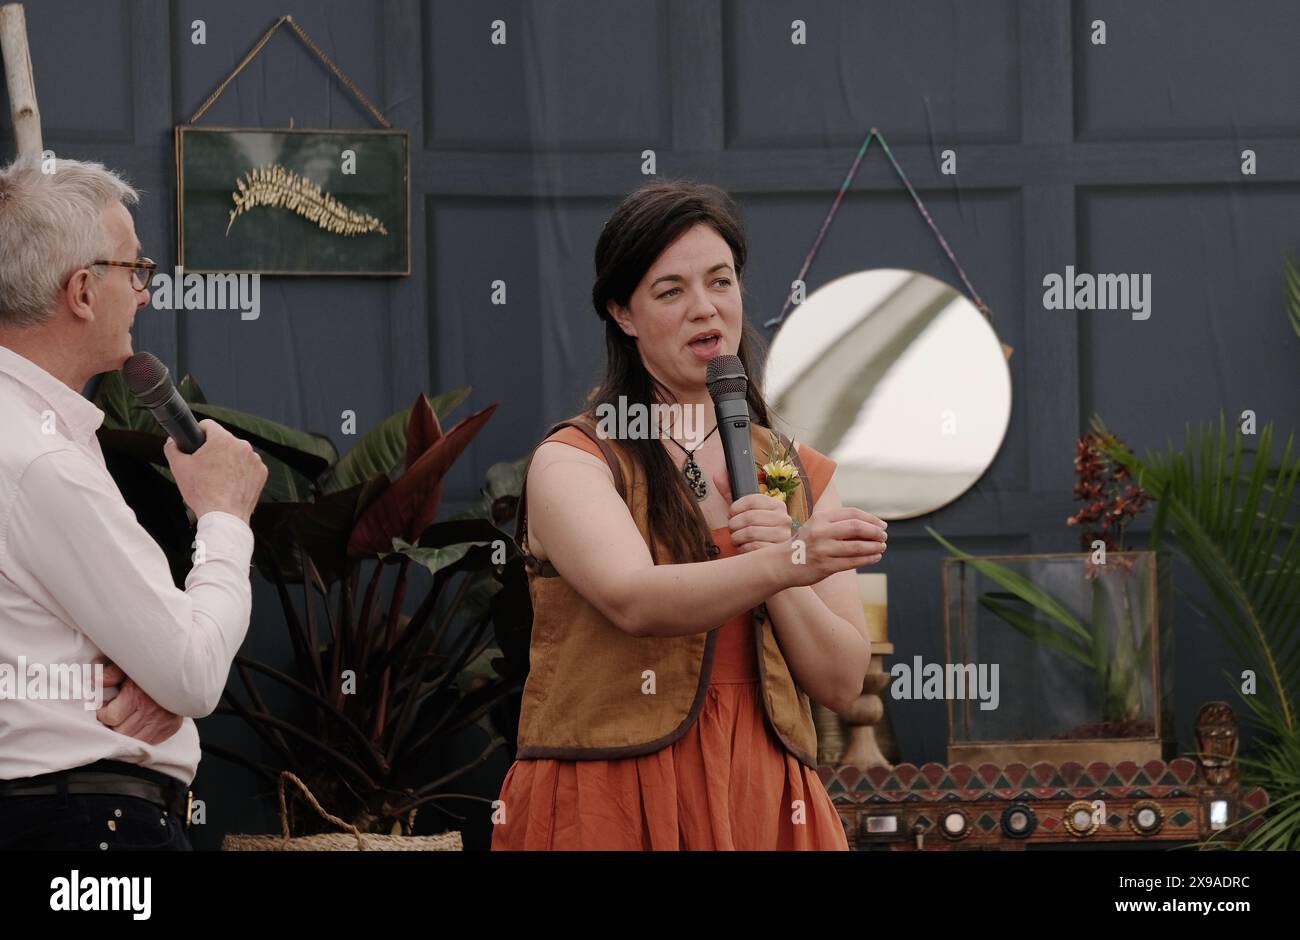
142	270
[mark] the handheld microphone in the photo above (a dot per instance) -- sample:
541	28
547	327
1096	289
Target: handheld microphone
150	382
727	387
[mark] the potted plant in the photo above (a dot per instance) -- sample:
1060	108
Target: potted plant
1098	695
1229	509
378	691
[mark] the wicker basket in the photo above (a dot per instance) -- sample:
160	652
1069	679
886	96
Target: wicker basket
352	841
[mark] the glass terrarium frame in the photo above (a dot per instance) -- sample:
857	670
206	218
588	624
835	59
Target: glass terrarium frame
965	747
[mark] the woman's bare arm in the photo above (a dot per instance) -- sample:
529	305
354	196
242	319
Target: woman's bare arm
589	536
822	631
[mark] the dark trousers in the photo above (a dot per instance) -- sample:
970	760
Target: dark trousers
88	822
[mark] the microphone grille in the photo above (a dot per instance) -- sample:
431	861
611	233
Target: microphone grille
726	378
144	373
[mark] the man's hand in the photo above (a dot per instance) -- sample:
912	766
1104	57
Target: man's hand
133	713
225	474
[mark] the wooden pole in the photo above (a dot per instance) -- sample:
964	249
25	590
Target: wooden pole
18	77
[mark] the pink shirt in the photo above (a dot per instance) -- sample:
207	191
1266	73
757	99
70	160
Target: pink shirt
81	582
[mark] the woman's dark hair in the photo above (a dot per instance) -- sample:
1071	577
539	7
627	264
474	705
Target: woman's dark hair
647	221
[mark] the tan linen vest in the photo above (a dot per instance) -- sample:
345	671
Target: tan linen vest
583	698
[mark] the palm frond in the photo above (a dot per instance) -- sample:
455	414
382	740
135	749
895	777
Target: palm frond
1230	509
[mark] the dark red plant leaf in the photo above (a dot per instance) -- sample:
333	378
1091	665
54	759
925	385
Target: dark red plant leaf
422	431
410	505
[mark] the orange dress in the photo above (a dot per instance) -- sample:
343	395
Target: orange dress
726	784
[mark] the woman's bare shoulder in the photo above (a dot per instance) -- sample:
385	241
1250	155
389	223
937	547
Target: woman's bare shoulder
556	449
550	484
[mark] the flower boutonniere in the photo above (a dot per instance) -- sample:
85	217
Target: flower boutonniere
778	477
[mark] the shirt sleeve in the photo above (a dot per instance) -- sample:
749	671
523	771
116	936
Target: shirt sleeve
72	533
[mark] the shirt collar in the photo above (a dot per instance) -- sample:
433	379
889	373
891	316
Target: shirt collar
81	416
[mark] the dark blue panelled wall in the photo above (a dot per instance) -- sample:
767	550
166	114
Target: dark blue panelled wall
1122	157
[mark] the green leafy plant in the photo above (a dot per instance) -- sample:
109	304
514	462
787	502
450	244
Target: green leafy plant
1104	644
1229	509
1119	608
377	693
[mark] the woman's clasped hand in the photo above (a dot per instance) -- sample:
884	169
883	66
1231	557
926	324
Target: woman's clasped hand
842	538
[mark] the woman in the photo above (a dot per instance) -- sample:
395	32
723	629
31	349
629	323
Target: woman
678	635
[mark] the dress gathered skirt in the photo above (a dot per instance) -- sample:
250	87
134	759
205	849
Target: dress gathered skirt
726	784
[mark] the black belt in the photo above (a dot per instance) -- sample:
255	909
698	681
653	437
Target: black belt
108	778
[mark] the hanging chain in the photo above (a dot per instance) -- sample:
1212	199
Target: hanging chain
320	54
835	205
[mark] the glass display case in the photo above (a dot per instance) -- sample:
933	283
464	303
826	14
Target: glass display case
1069	656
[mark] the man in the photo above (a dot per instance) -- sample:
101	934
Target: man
81	583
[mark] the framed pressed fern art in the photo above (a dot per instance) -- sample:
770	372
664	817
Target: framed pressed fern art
285	201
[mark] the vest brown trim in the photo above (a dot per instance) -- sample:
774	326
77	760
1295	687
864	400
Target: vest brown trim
803	756
535	752
761	615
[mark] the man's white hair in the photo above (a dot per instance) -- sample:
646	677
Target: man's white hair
49	227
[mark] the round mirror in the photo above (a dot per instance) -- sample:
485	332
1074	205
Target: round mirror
899	378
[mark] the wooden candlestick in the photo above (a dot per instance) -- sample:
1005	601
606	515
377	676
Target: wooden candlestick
860	735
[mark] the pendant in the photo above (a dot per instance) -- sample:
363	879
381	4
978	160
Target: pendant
695	478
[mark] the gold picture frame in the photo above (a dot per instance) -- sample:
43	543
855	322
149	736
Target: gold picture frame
301	192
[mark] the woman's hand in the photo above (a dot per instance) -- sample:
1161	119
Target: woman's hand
841	539
832	540
755	520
